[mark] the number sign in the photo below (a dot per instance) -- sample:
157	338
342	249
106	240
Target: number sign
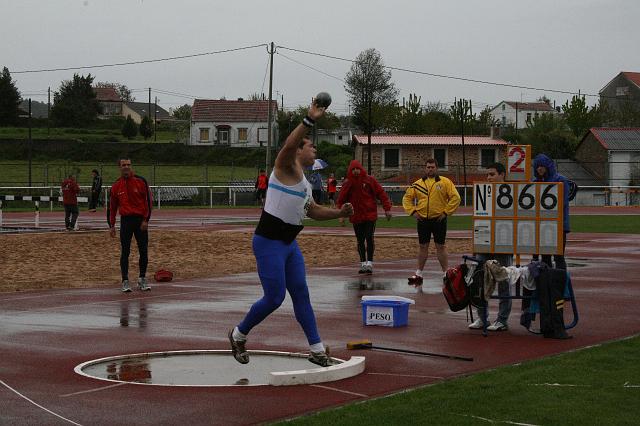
519	163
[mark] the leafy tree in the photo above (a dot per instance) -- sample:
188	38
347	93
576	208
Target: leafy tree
437	120
579	116
146	127
9	99
182	112
75	104
550	134
129	130
371	93
255	96
288	120
411	117
123	91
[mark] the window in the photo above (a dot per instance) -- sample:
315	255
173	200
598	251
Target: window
487	156
391	158
440	155
223	137
503	107
243	133
204	134
504	120
528	117
622	91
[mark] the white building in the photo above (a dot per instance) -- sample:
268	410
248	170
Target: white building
232	123
518	114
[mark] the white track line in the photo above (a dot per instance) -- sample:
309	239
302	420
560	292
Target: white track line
495	421
93	390
340	390
406	375
38	405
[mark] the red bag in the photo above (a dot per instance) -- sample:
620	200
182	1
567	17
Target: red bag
455	289
163	275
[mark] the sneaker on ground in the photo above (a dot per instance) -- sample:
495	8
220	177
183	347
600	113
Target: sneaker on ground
498	326
415	280
477	324
363	269
321	358
369	269
126	288
142	284
238	349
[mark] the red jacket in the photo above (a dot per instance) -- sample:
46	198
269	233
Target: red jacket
362	192
262	182
70	191
132	197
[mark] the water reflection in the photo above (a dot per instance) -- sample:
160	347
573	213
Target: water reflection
139	320
129	371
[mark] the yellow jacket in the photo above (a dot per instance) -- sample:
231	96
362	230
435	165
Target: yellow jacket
431	197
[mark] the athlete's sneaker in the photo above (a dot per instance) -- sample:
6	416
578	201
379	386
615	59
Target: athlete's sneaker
126	288
238	349
142	284
363	269
477	324
498	326
321	358
415	280
369	269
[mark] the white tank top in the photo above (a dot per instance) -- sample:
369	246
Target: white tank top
288	203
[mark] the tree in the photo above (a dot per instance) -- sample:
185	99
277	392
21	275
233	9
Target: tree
121	89
549	133
129	130
75	104
288	120
182	112
146	127
371	93
9	99
579	116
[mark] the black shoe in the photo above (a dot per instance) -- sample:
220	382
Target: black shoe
238	349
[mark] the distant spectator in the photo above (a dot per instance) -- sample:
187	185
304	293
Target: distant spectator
316	186
262	182
70	191
96	188
332	187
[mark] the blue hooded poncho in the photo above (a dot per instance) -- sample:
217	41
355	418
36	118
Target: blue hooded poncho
570	188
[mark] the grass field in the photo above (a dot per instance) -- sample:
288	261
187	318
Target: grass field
16	173
598	386
579	223
86	135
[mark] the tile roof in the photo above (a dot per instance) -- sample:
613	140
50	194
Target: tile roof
617	138
530	106
231	111
634	77
428	140
107	94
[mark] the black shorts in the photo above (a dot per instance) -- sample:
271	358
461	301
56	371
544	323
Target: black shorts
261	193
332	195
426	227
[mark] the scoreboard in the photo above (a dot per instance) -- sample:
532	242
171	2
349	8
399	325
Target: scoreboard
518	217
519	163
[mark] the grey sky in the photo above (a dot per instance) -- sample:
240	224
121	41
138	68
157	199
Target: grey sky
557	44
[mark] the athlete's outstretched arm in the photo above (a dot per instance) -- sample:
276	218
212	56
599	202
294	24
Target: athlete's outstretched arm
318	212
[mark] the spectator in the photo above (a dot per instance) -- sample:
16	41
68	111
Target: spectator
332	187
316	186
70	191
262	182
96	189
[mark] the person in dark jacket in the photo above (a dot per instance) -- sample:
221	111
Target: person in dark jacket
70	191
545	171
131	195
363	191
96	188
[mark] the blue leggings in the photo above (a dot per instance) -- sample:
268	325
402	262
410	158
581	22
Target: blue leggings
281	269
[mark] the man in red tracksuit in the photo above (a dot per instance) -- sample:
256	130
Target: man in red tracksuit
70	191
131	195
363	191
262	182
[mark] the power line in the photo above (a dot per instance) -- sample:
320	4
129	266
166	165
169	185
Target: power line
310	67
172	58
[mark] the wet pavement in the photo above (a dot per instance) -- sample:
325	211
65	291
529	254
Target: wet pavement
44	335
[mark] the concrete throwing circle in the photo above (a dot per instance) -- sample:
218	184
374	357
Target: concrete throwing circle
217	368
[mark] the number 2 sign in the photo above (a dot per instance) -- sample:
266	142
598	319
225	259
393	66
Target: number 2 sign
519	163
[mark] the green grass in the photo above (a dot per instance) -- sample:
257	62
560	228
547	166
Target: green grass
16	173
86	135
510	394
628	224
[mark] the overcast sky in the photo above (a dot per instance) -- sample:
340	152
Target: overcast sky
566	45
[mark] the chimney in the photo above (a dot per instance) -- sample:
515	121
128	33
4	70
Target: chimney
240	99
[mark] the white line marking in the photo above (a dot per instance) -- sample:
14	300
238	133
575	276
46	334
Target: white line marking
561	385
495	421
340	390
92	390
406	375
38	405
627	385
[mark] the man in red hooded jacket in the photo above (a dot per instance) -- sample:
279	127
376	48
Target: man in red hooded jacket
363	191
70	191
131	196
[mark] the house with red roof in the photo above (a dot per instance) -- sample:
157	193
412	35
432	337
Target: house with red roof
623	88
402	158
109	100
232	122
519	114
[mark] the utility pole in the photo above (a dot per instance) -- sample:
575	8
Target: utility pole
149	109
463	106
155	120
30	141
48	112
269	115
516	117
369	137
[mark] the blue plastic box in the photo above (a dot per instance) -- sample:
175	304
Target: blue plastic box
386	313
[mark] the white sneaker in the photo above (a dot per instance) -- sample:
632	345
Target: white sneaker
498	326
477	324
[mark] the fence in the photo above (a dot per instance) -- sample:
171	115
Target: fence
240	193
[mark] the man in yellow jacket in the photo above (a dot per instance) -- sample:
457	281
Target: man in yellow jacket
431	200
